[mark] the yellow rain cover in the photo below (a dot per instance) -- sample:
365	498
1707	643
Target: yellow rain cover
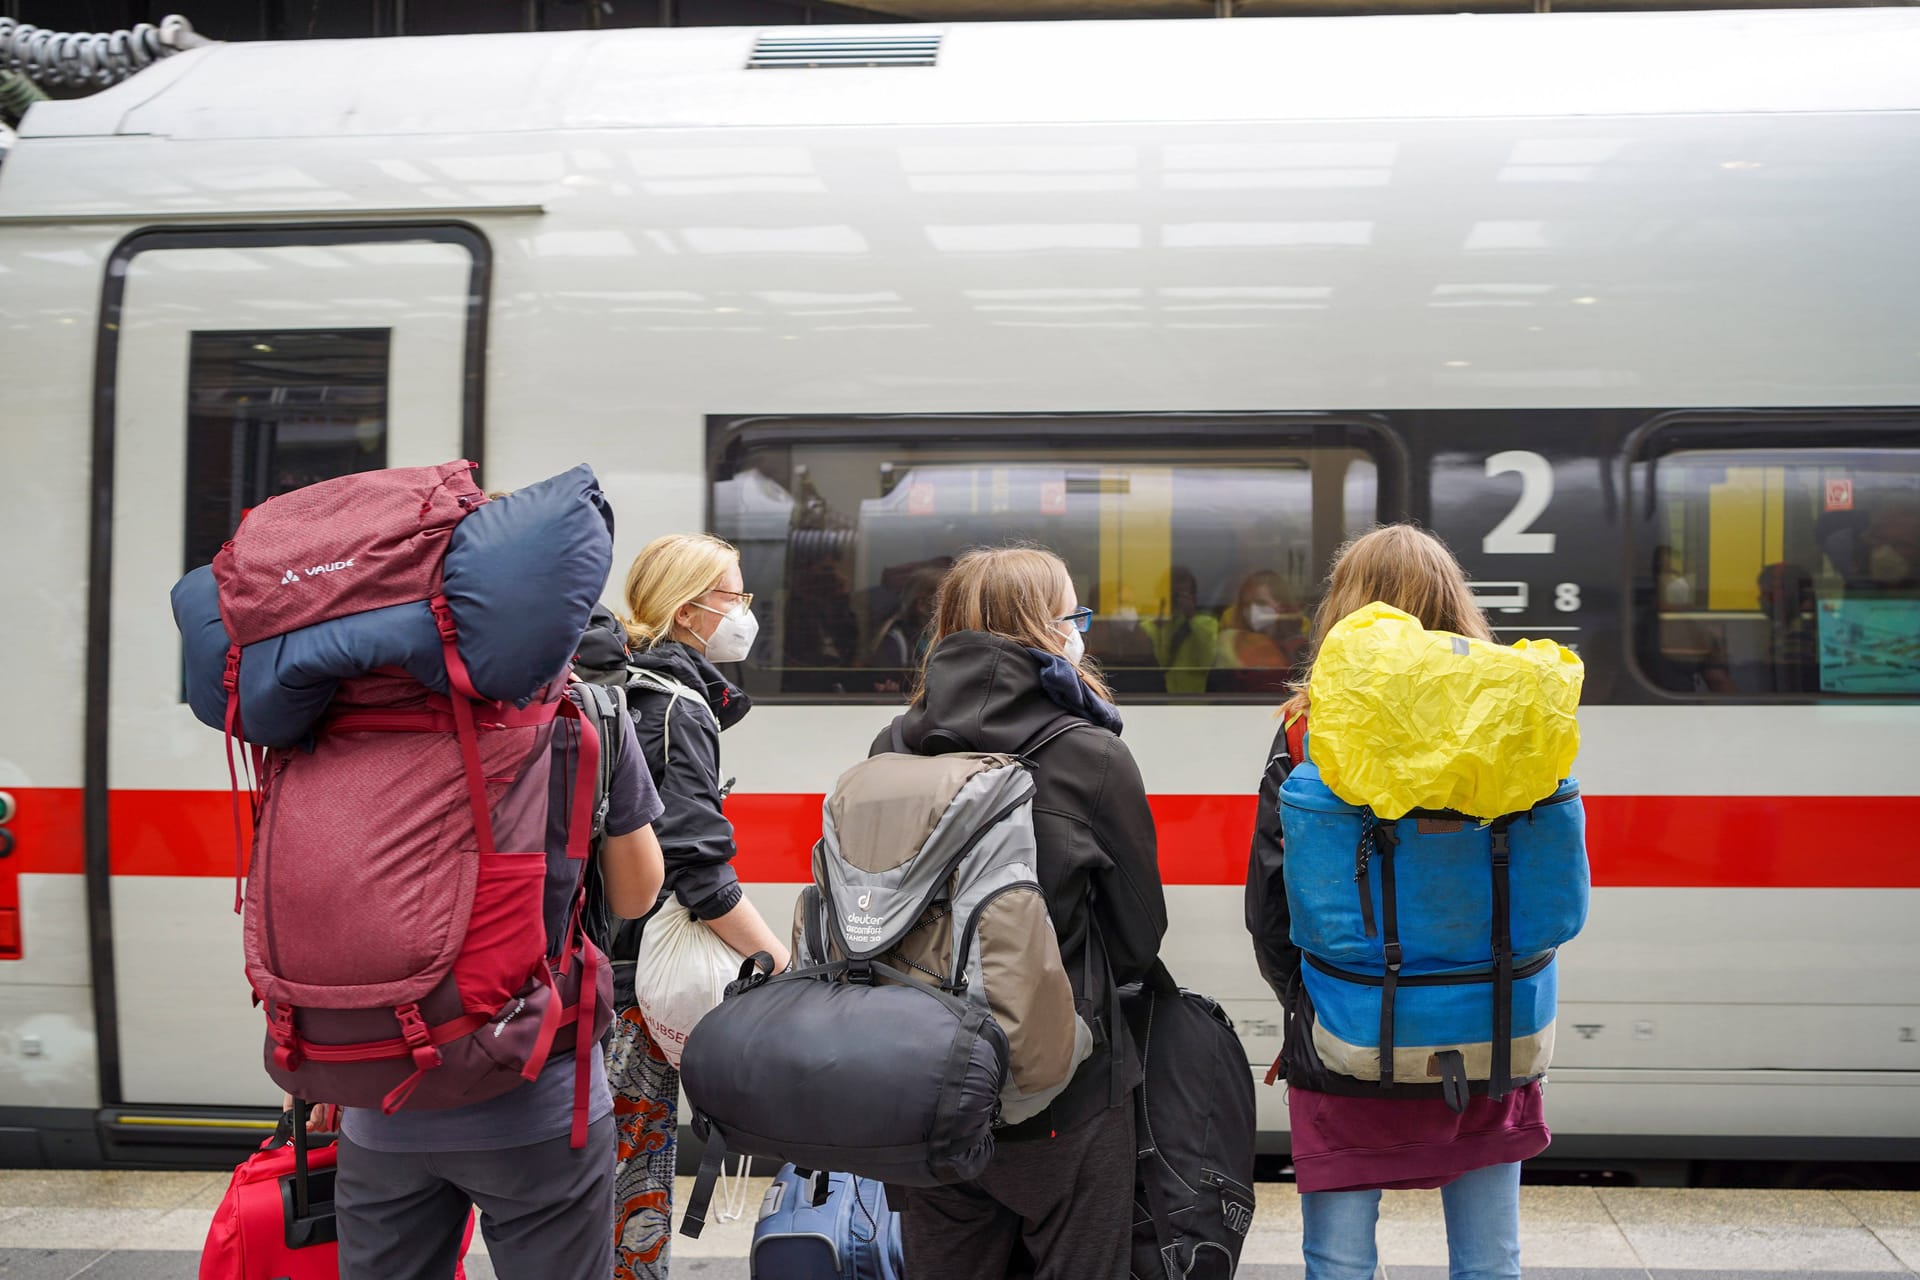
1405	718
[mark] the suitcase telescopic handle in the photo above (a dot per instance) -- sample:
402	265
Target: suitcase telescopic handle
302	1203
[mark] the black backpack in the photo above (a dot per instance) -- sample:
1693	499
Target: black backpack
1194	1125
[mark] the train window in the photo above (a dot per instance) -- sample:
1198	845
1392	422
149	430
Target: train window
271	411
1200	556
1782	571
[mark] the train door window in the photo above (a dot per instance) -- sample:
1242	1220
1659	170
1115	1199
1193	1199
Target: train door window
1198	545
1768	570
268	412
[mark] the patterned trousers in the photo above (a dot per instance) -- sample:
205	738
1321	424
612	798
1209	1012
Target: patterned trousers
646	1106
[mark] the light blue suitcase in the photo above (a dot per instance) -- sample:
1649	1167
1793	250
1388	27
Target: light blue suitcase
849	1235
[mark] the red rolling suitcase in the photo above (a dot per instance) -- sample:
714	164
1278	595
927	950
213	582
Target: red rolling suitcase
276	1220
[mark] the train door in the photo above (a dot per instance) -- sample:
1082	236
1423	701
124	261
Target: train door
235	365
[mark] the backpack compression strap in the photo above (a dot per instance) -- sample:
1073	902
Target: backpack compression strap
1499	1075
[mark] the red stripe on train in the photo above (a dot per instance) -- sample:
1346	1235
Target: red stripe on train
1692	842
1761	842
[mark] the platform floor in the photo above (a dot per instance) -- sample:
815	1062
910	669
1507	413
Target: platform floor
149	1226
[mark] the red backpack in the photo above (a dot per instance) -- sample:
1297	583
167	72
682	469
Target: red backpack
397	933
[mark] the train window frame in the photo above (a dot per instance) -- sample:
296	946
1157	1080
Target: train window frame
1779	430
730	435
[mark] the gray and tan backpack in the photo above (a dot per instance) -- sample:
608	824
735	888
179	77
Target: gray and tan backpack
927	1004
927	863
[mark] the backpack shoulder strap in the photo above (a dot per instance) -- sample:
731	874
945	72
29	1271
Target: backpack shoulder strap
605	704
676	692
1297	740
1056	728
810	925
897	736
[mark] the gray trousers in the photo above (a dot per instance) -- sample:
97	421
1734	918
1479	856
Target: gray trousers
546	1210
1053	1209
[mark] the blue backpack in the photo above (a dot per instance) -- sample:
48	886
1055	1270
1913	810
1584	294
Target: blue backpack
1429	941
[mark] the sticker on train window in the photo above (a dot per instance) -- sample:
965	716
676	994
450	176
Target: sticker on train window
1869	646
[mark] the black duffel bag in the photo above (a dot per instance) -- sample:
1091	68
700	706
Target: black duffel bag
825	1068
1194	1124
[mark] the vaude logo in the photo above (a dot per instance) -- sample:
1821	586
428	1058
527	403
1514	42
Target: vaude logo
316	570
512	1013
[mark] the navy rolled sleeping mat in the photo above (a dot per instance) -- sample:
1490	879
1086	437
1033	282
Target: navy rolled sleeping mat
522	574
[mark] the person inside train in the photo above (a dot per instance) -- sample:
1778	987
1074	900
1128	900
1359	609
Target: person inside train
407	1182
1681	649
902	643
1261	637
1186	639
1793	642
1347	1147
1893	548
1006	665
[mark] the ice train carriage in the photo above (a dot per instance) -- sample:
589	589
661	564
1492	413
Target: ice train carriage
1623	306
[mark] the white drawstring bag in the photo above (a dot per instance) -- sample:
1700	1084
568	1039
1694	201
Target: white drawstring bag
680	975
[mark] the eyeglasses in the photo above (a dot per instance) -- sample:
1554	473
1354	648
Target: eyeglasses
745	597
1081	618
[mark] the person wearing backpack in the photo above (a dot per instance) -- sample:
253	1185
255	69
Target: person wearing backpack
1004	671
406	1182
1350	1138
686	609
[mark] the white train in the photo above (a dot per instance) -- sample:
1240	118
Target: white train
1625	307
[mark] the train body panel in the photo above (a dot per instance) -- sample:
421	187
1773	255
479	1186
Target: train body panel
1174	314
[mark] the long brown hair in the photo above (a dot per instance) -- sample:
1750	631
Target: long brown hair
1016	593
1401	565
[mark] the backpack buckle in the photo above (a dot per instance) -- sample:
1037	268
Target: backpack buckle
443	618
286	1054
413	1029
860	971
230	679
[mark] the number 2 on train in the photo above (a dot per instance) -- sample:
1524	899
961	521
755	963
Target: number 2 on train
1511	537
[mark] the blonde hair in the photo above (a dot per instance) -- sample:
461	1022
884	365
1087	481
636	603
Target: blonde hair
1015	593
670	573
1401	565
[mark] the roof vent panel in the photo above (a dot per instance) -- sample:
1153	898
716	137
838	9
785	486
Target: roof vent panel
791	52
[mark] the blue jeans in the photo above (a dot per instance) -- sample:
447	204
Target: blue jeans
1483	1228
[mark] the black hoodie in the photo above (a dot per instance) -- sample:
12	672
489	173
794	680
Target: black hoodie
1097	855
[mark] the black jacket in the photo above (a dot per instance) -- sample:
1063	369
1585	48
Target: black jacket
681	742
1271	924
1098	864
1267	917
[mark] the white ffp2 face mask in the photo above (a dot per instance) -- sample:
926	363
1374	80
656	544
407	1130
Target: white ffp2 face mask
733	638
1076	647
1262	616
